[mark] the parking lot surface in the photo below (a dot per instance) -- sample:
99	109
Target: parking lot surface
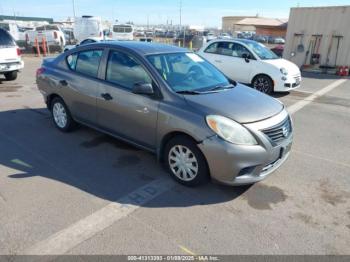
87	193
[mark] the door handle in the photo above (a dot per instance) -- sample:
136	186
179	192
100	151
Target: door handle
218	61
63	83
106	96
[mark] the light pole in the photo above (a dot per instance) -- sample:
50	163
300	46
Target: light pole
73	4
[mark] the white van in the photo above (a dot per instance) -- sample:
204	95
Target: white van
122	32
87	26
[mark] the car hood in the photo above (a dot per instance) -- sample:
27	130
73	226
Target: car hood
242	104
292	68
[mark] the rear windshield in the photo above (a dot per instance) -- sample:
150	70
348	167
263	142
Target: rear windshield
122	29
47	27
6	39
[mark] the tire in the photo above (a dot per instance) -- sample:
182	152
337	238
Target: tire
61	115
263	84
192	173
10	76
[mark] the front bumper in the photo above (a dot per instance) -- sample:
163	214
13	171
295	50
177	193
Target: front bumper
11	66
287	83
242	165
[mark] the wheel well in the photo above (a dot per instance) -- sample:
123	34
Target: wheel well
167	138
273	82
50	98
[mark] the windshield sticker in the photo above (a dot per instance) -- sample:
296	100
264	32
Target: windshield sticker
195	58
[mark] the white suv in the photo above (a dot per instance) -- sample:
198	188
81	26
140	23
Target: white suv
10	56
251	63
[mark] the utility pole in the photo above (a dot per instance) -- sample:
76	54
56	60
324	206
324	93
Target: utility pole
73	4
184	33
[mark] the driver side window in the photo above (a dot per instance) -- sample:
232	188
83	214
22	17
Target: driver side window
238	50
124	70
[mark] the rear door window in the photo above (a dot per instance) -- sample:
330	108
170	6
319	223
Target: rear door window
6	39
87	62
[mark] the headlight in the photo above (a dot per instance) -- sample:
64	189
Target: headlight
284	71
230	130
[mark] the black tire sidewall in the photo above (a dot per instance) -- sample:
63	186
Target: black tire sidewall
10	76
203	171
266	78
70	121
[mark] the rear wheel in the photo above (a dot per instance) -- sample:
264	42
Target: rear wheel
263	84
61	115
10	76
185	162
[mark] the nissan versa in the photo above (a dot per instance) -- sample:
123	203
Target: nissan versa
171	102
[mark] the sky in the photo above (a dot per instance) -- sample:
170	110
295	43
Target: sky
194	12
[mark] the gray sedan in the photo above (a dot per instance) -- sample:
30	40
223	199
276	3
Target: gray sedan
173	103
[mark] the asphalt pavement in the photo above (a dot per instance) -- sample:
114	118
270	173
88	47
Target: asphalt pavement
87	193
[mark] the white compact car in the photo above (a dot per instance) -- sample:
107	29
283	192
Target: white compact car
10	56
251	63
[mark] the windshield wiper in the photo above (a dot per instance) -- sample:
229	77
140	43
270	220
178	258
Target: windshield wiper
189	92
222	87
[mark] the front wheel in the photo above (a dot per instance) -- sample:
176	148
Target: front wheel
185	162
10	76
263	84
61	115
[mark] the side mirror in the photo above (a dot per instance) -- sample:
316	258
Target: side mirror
143	89
246	57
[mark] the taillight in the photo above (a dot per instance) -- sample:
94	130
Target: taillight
39	71
19	52
55	35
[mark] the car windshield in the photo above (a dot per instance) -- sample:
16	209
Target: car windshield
188	72
261	51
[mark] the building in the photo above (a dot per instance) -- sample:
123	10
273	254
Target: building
25	20
266	26
229	24
318	38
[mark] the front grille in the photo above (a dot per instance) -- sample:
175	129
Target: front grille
279	132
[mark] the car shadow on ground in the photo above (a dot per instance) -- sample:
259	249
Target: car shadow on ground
90	161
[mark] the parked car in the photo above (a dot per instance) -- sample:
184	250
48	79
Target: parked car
173	103
224	36
278	50
87	26
10	56
69	35
53	34
89	40
210	36
250	62
279	40
260	38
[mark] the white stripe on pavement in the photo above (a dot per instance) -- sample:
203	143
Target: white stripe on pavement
301	104
66	239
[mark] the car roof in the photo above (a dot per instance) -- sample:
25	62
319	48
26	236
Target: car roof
144	48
